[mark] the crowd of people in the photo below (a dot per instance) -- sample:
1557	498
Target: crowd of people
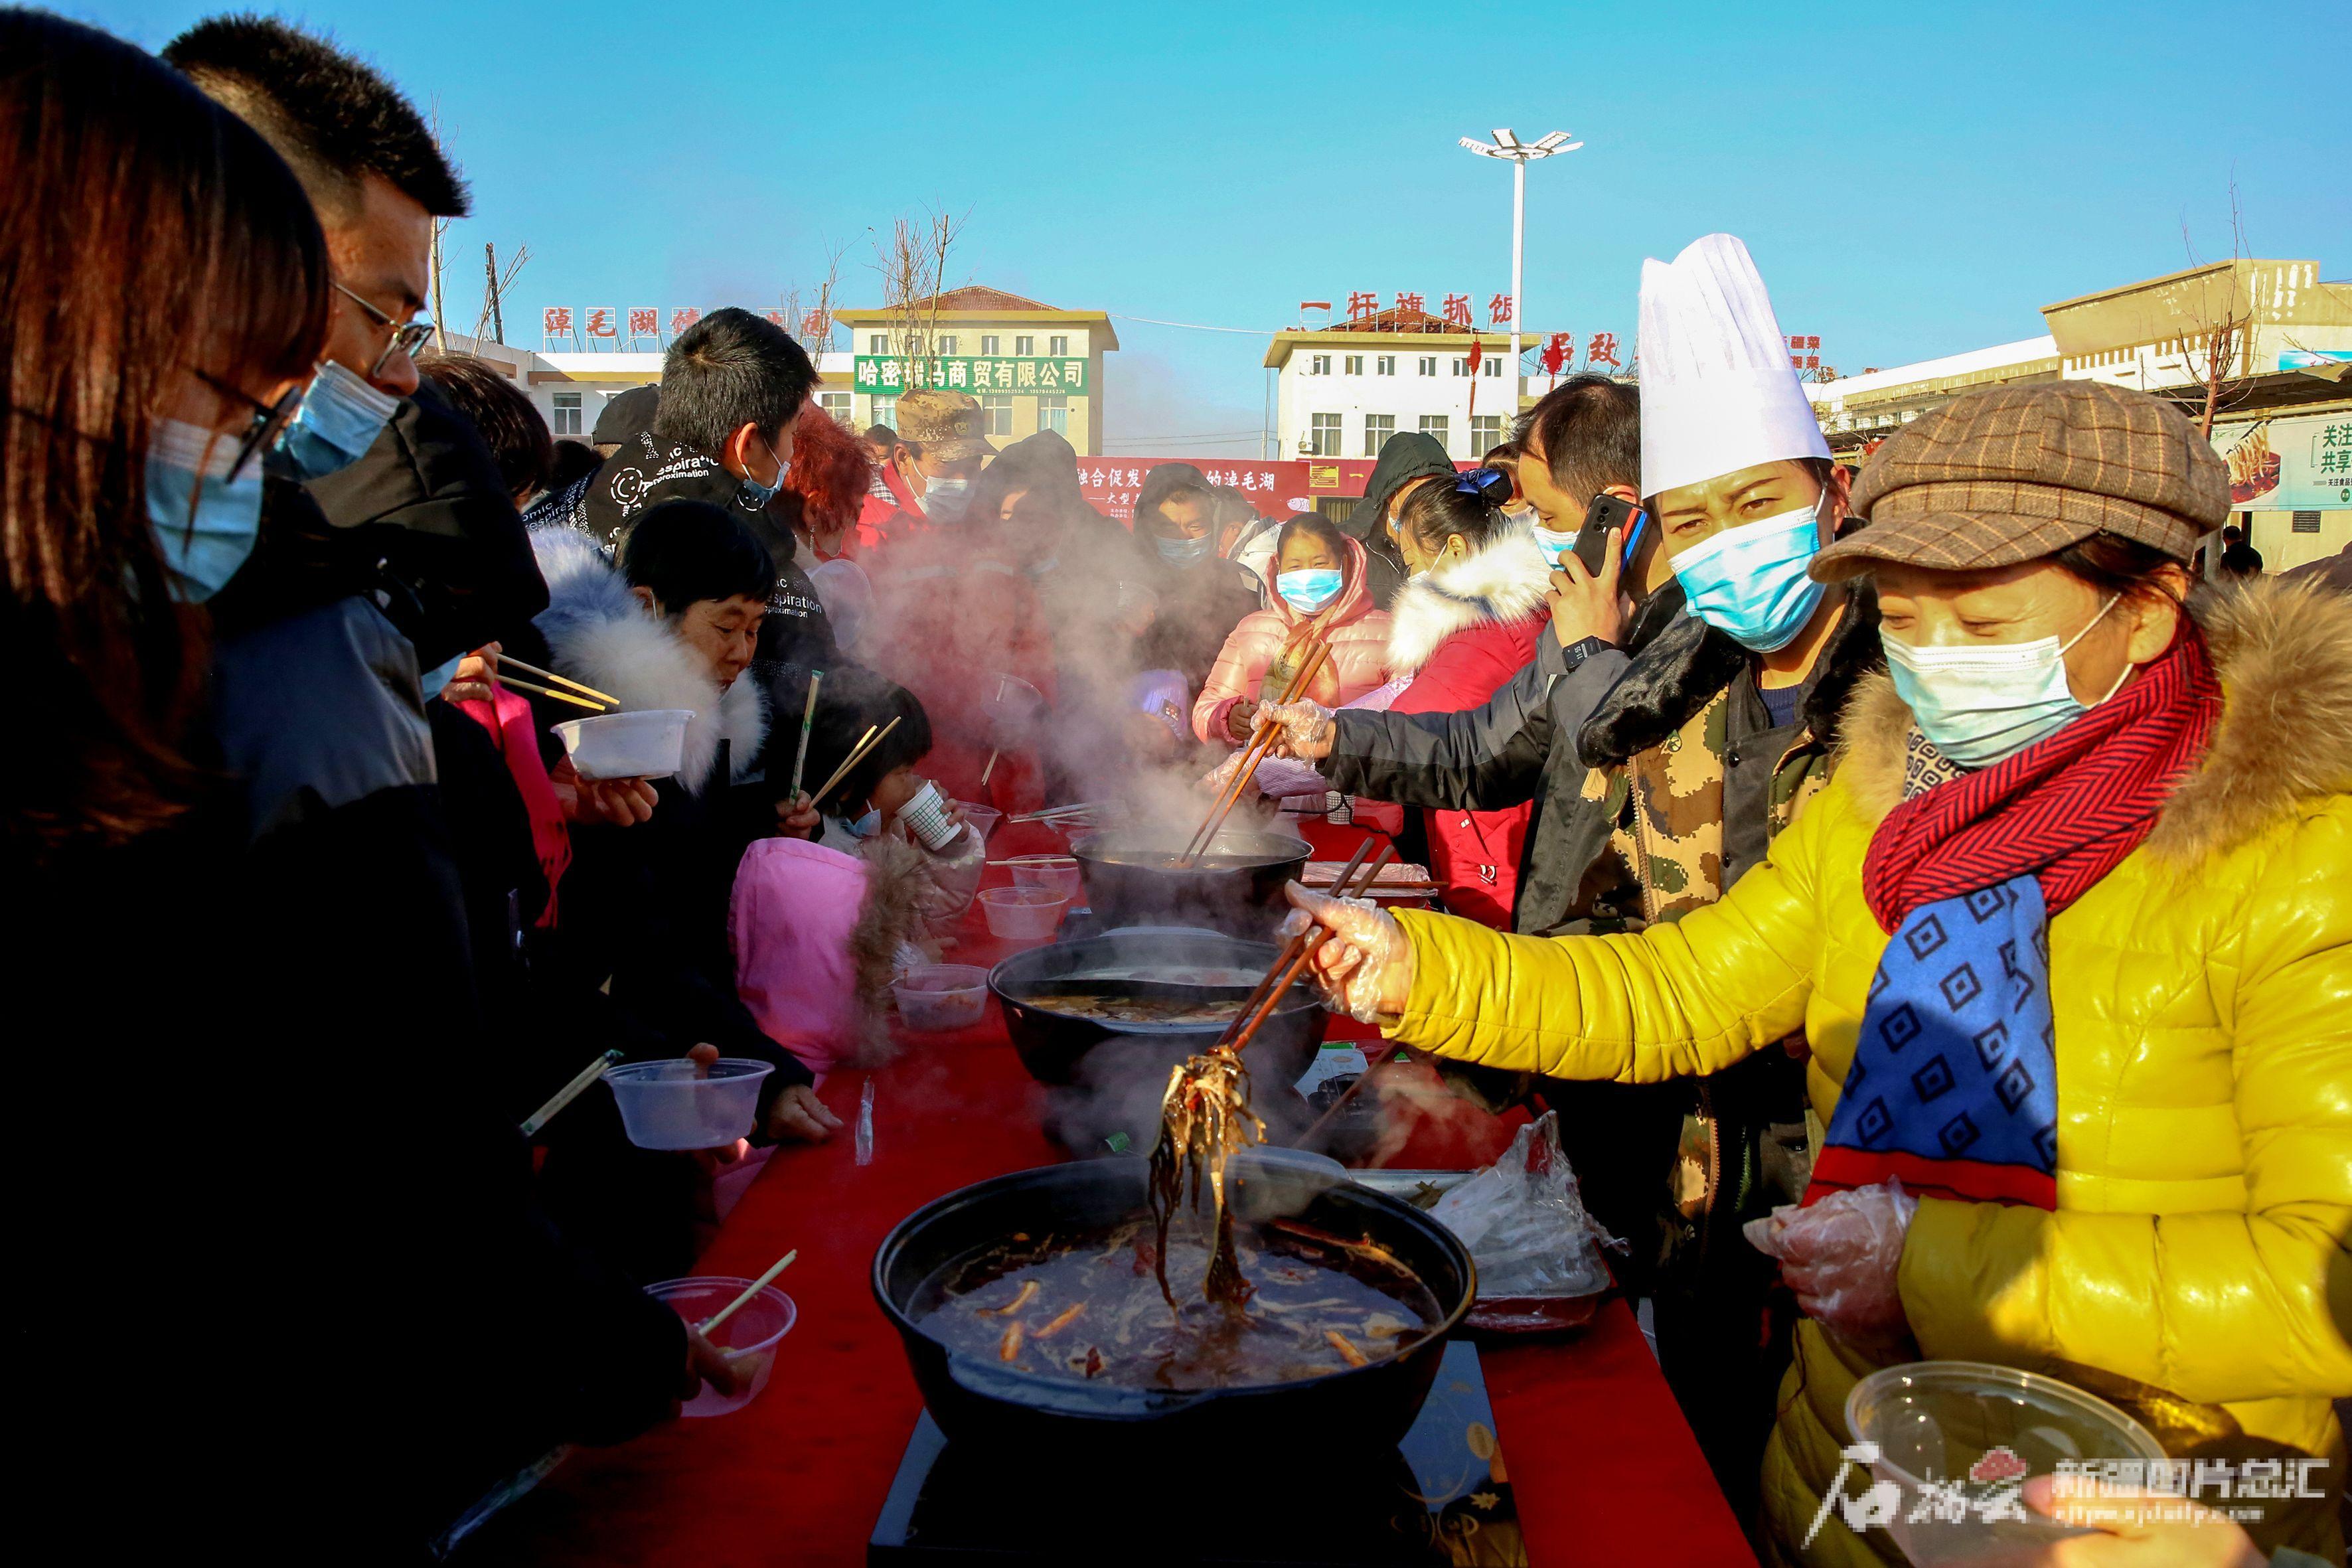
299	607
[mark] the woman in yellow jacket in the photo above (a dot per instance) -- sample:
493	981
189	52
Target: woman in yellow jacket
2070	938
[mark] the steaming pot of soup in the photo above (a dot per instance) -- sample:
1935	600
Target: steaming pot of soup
1139	876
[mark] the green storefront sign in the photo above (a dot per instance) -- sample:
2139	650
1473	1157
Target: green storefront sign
887	375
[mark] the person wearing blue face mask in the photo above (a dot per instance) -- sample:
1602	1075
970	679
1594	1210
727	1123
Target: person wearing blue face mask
1199	595
1318	594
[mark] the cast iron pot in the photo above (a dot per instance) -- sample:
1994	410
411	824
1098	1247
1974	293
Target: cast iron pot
1366	1408
1108	1078
1236	887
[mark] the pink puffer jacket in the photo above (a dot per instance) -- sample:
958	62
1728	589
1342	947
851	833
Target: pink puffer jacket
1358	636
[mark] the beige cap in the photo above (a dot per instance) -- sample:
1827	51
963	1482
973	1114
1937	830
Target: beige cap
948	423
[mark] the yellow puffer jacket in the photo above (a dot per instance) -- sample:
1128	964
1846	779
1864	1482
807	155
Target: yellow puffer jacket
2196	1269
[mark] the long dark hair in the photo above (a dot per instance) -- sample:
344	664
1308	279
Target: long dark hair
145	233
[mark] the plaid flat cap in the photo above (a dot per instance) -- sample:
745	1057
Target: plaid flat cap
2015	473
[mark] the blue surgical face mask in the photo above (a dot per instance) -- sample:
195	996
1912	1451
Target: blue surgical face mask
759	495
434	680
1183	551
1309	590
206	522
1749	583
867	825
340	419
1553	545
1982	702
944	501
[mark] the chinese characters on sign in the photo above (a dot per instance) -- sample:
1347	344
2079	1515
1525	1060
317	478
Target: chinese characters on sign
1498	311
891	375
1803	351
2289	465
1277	488
644	322
601	324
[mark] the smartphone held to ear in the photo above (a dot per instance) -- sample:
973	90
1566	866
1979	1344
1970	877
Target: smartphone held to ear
1607	511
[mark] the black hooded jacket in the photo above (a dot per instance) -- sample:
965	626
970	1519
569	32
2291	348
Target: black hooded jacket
1412	455
1199	603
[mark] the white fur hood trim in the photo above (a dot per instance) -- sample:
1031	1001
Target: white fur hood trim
1505	582
599	634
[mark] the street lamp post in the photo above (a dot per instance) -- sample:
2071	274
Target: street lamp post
1507	144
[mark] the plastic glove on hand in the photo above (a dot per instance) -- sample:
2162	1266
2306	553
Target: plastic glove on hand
1842	1255
1305	729
1219	779
1364	965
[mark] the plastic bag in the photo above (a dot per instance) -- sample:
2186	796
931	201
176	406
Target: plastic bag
1525	1224
1841	1256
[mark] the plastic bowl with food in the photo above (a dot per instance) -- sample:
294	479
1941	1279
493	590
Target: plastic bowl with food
1022	914
1976	1424
646	745
942	995
1056	873
747	1339
681	1104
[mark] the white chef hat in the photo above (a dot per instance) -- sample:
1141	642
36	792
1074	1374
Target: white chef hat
1718	391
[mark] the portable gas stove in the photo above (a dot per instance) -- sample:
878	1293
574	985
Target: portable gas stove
1441	1497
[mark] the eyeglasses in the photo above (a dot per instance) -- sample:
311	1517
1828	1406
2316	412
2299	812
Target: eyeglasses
269	419
407	337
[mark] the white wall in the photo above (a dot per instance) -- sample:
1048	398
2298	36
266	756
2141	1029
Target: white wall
1406	396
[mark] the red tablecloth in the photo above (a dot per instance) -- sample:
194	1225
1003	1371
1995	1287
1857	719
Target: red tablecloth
1603	1466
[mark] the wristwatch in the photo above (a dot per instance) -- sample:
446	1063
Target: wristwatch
1582	648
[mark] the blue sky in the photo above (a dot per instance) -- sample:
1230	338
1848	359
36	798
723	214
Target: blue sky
1912	180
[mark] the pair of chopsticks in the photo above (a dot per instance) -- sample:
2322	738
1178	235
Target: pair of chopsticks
1292	961
1261	742
866	743
808	720
568	1093
1056	813
595	702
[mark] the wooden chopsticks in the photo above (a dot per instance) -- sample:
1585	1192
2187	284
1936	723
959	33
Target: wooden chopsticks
1292	962
1261	742
602	701
866	743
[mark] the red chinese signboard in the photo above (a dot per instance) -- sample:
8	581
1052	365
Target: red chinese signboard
1279	487
601	322
556	321
644	320
682	318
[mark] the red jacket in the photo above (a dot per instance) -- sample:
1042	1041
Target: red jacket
1356	632
1461	632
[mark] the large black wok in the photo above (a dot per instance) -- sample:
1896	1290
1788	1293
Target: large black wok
1235	887
1108	1078
1367	1407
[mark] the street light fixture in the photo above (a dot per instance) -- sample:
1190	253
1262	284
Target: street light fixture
1507	144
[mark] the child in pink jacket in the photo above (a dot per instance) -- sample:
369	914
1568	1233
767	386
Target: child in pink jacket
1315	583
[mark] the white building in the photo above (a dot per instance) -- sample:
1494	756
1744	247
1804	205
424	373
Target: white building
570	390
1343	390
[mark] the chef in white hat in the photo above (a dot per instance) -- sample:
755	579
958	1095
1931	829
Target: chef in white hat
1738	479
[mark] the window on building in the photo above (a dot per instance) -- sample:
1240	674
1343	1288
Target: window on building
1053	414
2304	522
1384	365
566	418
1485	433
1355	365
1461	367
1435	425
1493	364
996	408
1058	345
947	345
1429	364
991	345
1323	430
882	411
837	404
878	342
1319	364
1024	347
1378	428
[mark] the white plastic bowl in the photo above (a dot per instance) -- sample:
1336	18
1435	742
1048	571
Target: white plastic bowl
673	1104
648	745
942	995
749	1339
981	817
1055	873
1022	914
1934	1420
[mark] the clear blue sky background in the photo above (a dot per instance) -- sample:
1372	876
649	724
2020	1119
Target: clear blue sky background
1913	180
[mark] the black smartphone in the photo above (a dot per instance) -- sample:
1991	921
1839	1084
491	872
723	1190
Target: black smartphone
1607	511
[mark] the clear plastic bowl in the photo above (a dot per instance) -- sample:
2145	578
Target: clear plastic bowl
648	745
981	818
1022	914
1935	1420
942	995
749	1337
1055	873
673	1104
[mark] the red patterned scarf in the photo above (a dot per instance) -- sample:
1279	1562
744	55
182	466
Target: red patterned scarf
2065	810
